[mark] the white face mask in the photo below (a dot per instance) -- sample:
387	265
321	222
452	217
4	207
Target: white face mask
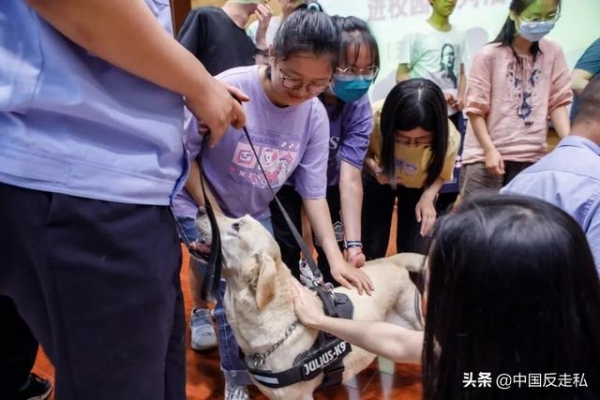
535	31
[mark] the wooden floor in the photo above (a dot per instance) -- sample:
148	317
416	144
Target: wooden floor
382	380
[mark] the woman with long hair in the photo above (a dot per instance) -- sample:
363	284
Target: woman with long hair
511	292
412	153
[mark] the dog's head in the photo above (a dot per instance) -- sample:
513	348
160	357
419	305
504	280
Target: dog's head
251	255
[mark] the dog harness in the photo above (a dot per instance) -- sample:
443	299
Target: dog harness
325	356
327	353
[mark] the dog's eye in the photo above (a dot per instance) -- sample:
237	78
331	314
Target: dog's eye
236	226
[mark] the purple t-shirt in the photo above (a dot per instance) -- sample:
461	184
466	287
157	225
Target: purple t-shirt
349	134
289	141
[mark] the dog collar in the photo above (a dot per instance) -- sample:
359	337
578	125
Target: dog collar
259	358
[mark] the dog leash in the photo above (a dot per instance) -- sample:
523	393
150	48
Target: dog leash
210	284
212	279
324	290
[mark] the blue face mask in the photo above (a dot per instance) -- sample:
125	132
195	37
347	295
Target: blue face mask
350	88
535	31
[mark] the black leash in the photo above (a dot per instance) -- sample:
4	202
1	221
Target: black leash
307	254
324	291
210	284
212	279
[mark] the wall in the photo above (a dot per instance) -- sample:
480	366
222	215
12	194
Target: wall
481	19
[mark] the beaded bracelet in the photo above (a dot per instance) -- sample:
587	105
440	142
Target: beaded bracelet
349	244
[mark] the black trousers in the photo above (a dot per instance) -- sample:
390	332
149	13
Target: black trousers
290	251
98	284
18	349
446	200
377	211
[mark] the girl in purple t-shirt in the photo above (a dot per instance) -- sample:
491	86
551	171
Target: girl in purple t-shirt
350	126
289	128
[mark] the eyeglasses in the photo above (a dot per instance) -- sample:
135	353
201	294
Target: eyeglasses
367	73
412	141
297	84
535	21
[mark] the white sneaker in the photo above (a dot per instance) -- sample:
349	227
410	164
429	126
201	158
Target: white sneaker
204	336
234	392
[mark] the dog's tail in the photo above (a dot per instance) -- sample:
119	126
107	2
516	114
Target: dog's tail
413	262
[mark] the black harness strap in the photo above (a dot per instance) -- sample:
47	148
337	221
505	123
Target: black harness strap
326	356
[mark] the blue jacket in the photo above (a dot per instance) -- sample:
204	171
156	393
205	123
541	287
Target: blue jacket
72	123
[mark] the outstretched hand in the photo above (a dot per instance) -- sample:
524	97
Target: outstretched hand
309	309
348	276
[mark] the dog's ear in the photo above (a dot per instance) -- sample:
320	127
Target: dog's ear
265	284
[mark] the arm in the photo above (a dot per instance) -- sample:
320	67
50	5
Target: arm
371	162
587	67
317	211
358	124
560	120
194	187
382	338
263	15
493	160
192	184
405	57
311	183
402	73
351	195
560	94
127	35
462	88
425	210
580	79
477	106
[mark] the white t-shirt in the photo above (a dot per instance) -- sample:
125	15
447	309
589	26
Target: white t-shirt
435	55
274	25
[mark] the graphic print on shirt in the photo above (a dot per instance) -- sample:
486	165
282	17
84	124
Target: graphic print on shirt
524	78
405	167
278	156
447	67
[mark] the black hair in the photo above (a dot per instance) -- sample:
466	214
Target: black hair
311	5
415	103
306	31
589	103
512	289
355	33
509	29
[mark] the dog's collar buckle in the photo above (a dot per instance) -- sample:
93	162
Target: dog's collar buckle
258	359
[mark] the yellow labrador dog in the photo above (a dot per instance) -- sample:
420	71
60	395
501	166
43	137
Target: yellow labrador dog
259	301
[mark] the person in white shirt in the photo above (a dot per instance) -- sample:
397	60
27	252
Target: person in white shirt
437	50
